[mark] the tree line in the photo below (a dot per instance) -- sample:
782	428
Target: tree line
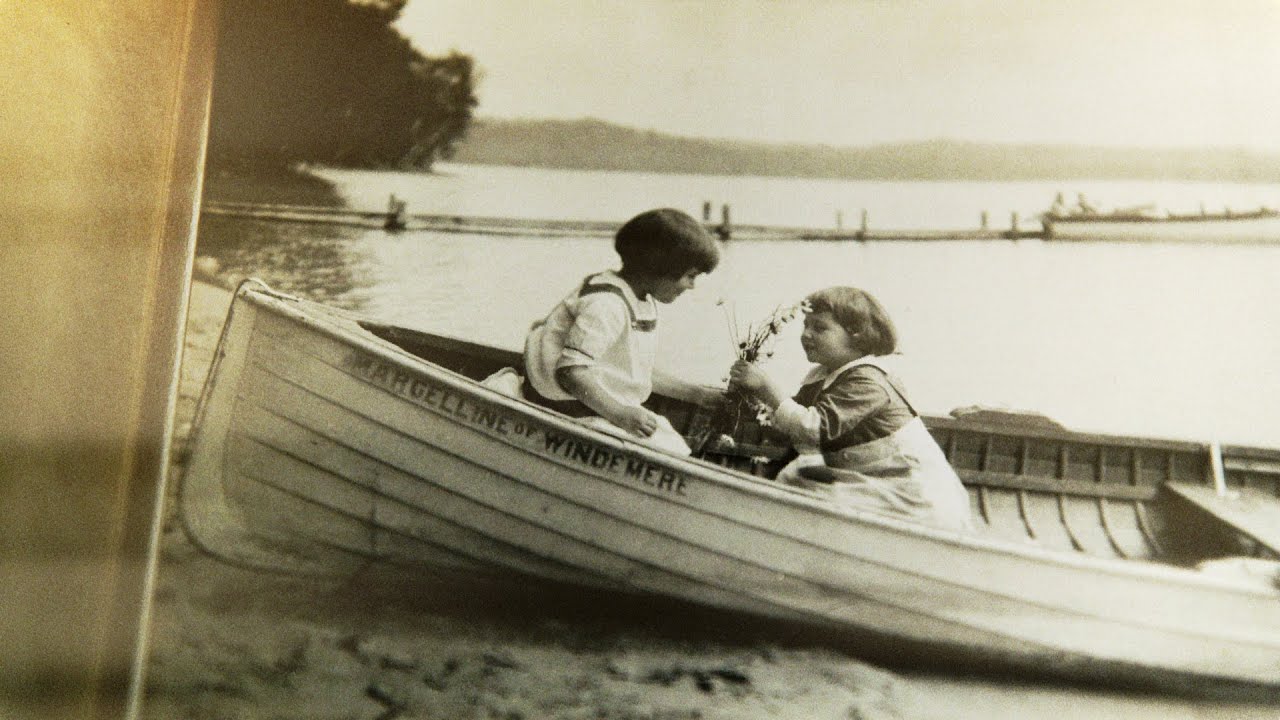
331	82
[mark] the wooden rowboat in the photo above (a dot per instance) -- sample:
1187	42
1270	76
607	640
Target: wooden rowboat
323	442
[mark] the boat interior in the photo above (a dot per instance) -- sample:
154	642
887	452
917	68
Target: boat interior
1030	481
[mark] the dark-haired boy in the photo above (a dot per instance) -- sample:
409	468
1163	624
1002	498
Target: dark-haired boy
592	357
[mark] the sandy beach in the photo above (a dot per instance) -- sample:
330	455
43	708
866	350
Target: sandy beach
238	644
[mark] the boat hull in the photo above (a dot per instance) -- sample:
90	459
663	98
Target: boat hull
320	447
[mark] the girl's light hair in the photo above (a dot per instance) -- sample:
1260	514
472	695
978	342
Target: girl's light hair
859	313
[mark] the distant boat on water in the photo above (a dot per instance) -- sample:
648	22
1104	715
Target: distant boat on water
1085	222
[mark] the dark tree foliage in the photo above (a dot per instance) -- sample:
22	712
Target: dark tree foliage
331	82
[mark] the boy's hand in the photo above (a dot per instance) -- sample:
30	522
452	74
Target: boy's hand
636	420
581	382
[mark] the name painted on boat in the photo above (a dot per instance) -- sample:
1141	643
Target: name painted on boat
532	435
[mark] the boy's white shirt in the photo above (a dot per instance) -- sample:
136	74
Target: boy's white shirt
569	335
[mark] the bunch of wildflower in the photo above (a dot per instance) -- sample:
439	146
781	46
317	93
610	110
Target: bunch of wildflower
757	340
753	344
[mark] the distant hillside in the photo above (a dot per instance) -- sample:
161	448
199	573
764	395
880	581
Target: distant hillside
597	145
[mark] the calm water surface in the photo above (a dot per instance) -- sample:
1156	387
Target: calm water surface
1172	340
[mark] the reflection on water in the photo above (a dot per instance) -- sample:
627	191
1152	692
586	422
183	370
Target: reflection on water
316	261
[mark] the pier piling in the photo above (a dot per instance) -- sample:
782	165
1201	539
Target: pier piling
395	214
725	231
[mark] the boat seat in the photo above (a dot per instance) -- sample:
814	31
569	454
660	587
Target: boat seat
1248	511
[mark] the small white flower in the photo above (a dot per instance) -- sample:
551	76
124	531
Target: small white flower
726	442
759	460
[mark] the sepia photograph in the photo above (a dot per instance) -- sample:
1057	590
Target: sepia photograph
733	359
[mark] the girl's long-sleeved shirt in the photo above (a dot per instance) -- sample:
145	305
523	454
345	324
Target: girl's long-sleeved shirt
854	404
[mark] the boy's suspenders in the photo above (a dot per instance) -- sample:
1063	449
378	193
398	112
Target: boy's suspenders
589	288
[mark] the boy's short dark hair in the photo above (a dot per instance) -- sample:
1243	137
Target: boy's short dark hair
665	243
859	313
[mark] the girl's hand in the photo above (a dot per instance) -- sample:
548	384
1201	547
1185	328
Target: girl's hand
751	378
747	375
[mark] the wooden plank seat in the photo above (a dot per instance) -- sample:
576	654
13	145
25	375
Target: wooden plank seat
1246	510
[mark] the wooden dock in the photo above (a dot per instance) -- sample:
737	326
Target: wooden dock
396	220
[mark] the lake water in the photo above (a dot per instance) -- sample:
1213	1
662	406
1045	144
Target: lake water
1168	340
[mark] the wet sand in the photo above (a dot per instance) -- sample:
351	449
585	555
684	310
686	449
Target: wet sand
239	644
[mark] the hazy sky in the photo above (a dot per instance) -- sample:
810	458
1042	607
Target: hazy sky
856	72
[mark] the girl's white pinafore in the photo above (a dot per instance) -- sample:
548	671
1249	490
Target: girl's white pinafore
904	474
